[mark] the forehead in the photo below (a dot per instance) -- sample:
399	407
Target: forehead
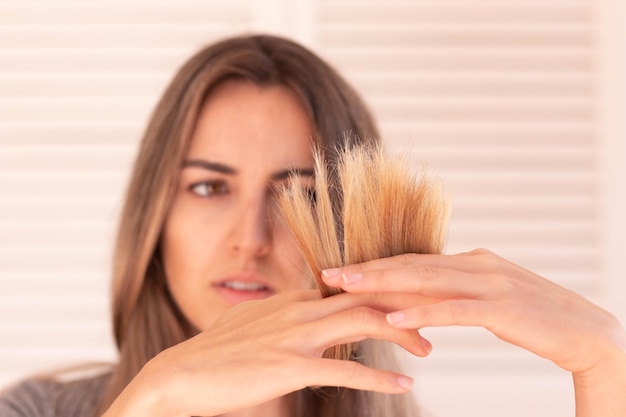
242	123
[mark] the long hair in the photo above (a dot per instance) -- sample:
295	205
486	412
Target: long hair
386	209
146	320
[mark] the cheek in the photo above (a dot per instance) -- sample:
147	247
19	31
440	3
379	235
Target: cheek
184	247
174	249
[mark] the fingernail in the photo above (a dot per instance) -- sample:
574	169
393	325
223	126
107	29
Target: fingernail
330	272
405	382
426	345
395	318
351	278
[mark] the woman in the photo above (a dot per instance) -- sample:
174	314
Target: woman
199	236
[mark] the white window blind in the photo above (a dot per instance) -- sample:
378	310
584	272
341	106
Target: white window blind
501	98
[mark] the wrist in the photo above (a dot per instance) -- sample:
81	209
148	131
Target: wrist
599	389
146	394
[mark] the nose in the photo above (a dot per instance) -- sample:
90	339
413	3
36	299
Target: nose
252	230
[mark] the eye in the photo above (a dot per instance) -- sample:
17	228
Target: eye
209	188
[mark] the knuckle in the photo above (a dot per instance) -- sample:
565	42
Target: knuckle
291	310
480	251
488	259
407	259
500	284
378	298
361	314
382	380
428	273
351	371
428	314
360	267
456	312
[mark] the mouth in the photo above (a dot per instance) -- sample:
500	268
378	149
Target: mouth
243	287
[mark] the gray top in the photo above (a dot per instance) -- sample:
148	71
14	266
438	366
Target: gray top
51	398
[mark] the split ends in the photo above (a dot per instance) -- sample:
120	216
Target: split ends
366	204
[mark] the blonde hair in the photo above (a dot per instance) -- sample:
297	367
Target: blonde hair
387	209
146	320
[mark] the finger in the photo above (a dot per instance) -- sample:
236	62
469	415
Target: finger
382	301
436	283
351	374
299	295
445	313
358	324
478	260
253	309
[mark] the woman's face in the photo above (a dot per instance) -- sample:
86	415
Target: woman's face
222	243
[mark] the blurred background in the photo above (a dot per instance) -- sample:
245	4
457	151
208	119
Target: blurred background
519	105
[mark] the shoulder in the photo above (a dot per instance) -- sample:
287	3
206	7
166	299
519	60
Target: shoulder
61	395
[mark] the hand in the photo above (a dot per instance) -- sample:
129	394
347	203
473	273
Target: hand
481	289
261	350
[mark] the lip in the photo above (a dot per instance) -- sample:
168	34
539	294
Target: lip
235	296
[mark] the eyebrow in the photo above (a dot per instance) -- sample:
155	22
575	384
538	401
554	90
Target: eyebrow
228	170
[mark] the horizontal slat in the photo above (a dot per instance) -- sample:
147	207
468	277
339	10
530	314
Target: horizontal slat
511	187
117	12
107	184
68	210
29	361
83	85
508	176
416	134
482	109
121	60
51	285
492	85
54	233
117	35
61	190
31	312
71	133
46	259
76	199
508	162
462	146
543	260
547	36
127	109
572	234
472	208
479	11
33	160
389	60
56	358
